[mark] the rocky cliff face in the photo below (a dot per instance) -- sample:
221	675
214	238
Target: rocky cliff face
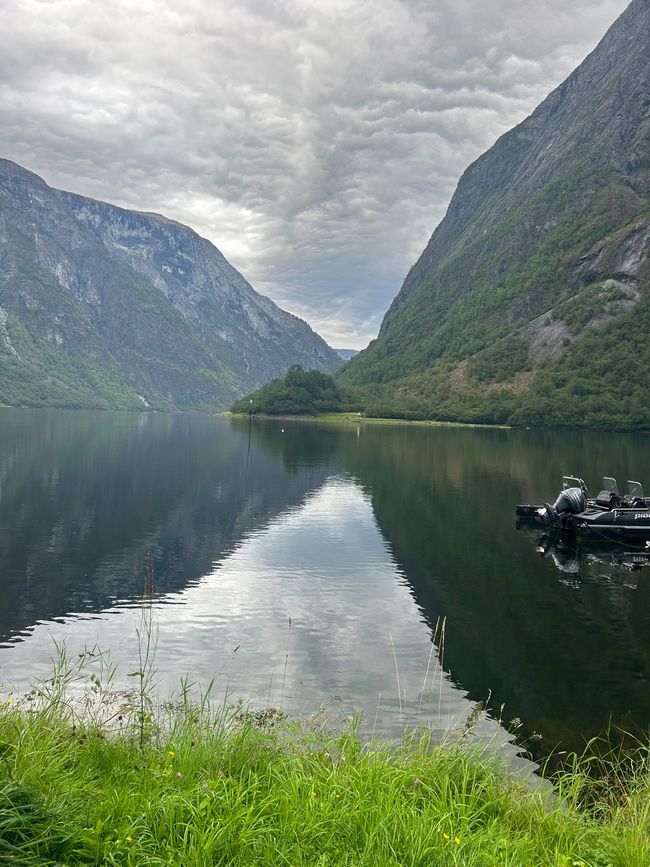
105	307
535	285
347	354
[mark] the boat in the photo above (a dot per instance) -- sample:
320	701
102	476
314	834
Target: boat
610	515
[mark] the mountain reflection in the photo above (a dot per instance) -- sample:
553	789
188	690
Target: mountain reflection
83	497
307	611
565	661
563	641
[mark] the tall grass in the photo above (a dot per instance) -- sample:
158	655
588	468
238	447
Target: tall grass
232	786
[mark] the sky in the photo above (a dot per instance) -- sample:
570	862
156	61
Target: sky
316	143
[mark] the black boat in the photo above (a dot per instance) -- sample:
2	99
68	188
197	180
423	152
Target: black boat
610	515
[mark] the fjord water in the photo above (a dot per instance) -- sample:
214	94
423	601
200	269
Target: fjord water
312	565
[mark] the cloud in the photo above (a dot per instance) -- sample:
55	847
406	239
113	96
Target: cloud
316	142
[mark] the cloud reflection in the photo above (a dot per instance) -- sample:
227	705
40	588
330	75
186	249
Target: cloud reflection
307	611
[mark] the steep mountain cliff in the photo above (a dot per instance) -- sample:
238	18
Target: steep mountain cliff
531	301
105	307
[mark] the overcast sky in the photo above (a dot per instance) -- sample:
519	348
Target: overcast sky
316	142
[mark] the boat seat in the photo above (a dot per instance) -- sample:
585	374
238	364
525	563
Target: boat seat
607	500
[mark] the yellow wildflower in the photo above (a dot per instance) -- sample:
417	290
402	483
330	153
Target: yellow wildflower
171	754
445	836
457	841
129	839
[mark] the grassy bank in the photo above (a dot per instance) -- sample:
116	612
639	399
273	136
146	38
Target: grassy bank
348	418
354	417
186	787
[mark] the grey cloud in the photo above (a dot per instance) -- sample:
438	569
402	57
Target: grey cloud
316	142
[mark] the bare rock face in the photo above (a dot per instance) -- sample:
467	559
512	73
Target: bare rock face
524	260
105	307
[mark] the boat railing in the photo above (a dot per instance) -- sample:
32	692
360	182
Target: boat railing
574	482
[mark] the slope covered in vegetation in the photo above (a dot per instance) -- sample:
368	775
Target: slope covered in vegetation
531	302
300	392
114	309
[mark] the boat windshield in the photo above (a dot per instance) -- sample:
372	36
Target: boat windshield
610	484
635	489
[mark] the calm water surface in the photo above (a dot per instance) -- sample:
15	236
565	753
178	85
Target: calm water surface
307	565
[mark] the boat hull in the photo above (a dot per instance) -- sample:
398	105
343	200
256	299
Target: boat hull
617	523
591	523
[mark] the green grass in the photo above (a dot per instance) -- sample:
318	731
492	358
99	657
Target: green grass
357	418
249	789
379	420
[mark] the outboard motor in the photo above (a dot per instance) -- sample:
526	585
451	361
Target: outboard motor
571	501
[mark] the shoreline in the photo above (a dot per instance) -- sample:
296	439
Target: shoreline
353	418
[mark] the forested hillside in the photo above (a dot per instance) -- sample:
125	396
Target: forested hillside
300	392
531	301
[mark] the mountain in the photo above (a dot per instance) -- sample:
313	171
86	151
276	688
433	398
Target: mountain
347	354
531	301
111	308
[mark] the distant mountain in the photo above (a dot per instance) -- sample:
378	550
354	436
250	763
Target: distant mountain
347	354
105	307
531	301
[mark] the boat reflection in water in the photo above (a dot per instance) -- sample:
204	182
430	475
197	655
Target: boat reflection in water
573	556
